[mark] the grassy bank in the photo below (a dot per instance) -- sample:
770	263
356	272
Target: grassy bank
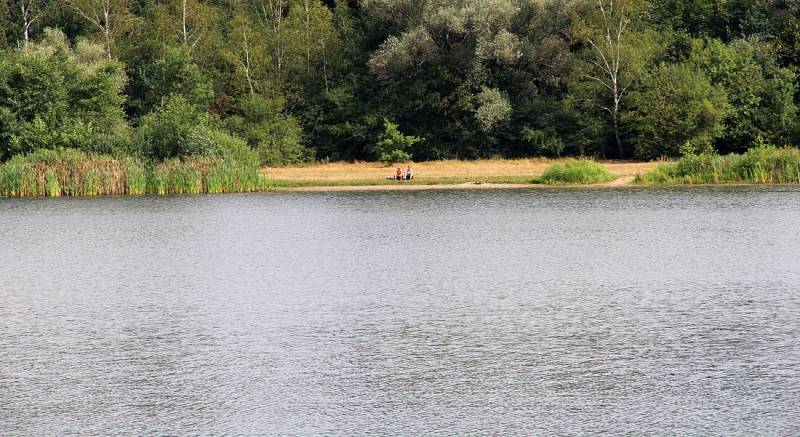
75	173
762	165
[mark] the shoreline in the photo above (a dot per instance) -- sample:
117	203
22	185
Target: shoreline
622	182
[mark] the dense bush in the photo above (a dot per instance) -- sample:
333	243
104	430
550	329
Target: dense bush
675	104
579	171
53	96
276	137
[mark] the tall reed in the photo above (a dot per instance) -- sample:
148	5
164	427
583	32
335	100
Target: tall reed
760	165
67	172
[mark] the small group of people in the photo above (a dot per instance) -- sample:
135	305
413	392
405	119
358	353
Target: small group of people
407	175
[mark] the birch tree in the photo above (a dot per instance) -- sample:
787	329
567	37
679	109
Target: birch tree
186	22
311	24
30	11
246	51
272	19
606	32
107	16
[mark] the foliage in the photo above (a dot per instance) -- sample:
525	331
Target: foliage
579	171
764	164
299	80
275	135
53	96
675	104
392	145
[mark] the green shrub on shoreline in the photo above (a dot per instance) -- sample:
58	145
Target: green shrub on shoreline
67	172
579	171
761	165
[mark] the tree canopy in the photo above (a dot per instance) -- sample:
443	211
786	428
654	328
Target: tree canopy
297	80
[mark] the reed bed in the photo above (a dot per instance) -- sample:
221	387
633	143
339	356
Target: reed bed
578	171
761	165
74	173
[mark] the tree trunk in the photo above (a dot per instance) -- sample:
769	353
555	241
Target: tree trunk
615	116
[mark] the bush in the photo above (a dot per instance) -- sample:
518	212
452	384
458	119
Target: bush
168	131
277	137
673	105
392	145
53	97
395	156
579	171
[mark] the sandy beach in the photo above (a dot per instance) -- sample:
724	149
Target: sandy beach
435	175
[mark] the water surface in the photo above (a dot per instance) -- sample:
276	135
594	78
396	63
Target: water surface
531	311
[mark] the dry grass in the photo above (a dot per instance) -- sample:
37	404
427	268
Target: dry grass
432	170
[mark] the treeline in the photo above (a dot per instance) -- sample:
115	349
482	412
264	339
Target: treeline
297	80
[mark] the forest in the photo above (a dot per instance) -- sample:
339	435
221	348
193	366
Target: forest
292	81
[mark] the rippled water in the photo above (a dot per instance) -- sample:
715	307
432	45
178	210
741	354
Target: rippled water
562	311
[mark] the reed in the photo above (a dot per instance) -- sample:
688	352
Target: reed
760	165
68	172
578	171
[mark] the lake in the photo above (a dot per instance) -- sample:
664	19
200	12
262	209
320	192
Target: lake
658	311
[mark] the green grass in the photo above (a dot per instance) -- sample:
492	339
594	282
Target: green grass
68	172
761	165
575	172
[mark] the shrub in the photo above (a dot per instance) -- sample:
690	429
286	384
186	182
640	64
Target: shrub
578	171
395	156
276	136
392	145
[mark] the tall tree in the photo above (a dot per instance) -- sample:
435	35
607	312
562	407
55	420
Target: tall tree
605	29
109	17
186	22
30	11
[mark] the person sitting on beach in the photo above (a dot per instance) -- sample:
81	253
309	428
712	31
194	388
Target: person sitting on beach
409	173
399	174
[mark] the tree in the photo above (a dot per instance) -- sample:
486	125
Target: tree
109	17
30	11
674	105
606	30
186	22
311	23
54	96
245	50
760	92
392	145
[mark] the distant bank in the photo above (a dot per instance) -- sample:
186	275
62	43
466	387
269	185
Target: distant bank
92	175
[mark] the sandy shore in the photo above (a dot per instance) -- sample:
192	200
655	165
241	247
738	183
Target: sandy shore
618	183
437	175
440	169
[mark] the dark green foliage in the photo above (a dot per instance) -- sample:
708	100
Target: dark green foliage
510	78
275	135
52	96
392	145
675	104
